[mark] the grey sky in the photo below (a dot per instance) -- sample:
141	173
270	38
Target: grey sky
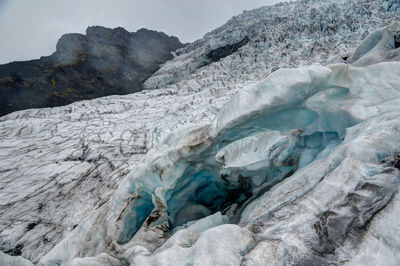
31	28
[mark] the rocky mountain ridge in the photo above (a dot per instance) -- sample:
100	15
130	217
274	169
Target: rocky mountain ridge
102	62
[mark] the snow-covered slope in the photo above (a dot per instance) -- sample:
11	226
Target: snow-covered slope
59	167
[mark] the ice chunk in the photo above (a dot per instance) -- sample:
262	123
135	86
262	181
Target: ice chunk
13	260
249	150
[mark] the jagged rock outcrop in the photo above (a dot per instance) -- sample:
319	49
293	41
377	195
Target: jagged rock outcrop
102	62
61	166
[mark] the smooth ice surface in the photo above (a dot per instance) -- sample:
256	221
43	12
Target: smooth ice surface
177	153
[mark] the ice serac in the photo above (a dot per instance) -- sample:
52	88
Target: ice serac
301	168
60	167
289	34
381	45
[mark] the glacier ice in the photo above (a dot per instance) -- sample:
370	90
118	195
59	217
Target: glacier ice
381	45
13	260
289	34
301	161
332	131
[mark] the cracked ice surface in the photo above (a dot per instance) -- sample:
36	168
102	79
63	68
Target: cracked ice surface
291	34
332	147
60	166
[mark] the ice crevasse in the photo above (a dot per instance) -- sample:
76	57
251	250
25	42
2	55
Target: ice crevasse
300	168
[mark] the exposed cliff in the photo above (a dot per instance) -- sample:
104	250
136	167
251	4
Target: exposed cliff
102	62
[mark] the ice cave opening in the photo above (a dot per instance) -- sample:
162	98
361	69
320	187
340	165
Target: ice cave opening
247	160
206	188
202	193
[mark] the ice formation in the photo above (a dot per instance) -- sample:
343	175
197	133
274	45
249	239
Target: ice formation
301	161
297	167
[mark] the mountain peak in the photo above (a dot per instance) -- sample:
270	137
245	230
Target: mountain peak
103	62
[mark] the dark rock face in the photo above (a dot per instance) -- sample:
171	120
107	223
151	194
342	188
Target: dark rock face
222	52
102	62
397	40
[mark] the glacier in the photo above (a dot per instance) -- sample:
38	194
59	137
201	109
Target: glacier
221	162
291	171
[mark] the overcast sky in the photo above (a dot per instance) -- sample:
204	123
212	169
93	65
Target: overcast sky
31	28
